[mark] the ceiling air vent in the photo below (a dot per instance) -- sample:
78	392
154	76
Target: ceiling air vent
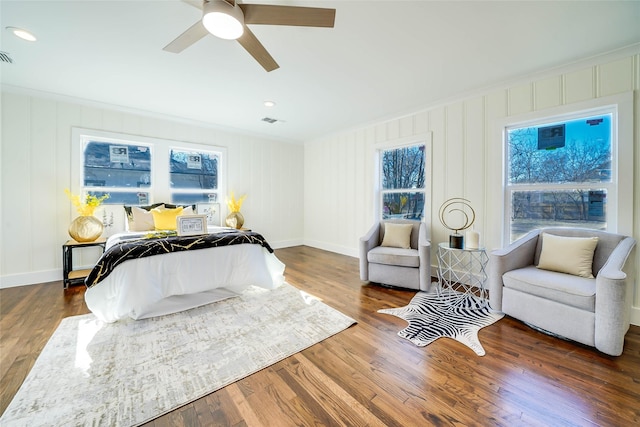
4	57
269	120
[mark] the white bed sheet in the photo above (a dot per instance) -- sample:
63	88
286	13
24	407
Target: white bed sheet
168	283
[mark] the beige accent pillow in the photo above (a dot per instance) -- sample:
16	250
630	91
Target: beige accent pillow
397	235
571	255
142	220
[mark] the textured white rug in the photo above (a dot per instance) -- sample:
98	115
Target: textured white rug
129	372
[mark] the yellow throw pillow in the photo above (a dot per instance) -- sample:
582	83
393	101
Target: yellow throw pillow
397	235
571	255
165	219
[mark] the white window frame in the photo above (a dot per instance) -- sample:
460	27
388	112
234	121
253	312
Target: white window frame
619	190
422	139
160	189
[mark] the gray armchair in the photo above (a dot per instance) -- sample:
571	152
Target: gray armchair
395	266
593	311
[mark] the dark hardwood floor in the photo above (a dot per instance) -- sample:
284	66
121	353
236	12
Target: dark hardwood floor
367	375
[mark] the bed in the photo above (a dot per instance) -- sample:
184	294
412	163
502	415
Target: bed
143	275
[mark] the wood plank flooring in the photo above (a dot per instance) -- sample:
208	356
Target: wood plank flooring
367	375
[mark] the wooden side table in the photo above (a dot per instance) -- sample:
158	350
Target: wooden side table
69	275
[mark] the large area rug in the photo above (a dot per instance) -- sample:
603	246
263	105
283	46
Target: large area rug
431	316
129	372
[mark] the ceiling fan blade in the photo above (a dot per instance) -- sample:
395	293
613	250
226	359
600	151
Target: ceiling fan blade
252	45
288	15
186	39
195	3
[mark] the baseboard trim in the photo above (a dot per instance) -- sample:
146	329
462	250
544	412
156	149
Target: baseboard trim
342	250
286	243
45	276
32	278
635	316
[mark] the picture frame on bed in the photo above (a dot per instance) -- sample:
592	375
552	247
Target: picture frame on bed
191	225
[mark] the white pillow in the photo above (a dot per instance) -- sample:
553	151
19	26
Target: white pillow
571	255
397	235
141	220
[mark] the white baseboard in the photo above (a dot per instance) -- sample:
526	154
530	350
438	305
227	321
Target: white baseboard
32	278
24	279
635	316
286	244
343	250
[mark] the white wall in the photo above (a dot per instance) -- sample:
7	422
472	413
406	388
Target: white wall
36	164
466	156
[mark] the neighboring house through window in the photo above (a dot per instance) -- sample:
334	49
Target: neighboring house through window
136	170
563	170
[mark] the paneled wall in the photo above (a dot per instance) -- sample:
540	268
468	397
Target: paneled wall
36	164
466	154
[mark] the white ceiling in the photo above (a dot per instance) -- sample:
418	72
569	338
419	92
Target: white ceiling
383	58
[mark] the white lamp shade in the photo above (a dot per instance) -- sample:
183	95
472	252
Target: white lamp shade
223	20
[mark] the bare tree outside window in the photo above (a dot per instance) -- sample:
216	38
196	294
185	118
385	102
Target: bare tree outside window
559	178
403	182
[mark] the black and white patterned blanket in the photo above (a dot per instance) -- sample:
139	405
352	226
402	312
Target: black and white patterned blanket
140	248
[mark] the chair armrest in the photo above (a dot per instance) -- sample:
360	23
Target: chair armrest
518	254
366	243
613	300
424	253
613	268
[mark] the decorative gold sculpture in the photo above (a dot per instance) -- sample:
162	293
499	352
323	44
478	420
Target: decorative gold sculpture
457	204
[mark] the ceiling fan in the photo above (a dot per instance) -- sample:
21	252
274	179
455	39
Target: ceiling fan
228	19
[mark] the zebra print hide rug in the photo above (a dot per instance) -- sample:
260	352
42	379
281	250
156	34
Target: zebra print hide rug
431	316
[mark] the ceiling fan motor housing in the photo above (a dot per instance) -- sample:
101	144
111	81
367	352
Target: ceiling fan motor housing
223	19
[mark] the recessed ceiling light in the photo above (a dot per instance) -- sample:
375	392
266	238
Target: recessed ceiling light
269	103
23	34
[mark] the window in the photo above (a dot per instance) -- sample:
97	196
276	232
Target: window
402	184
194	176
119	169
137	170
561	172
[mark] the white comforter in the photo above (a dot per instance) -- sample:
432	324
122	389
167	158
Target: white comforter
172	282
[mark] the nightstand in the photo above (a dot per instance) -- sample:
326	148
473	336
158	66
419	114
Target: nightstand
70	276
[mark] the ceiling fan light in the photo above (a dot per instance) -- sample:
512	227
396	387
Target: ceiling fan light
223	20
23	34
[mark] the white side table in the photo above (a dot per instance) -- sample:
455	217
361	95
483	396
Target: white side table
462	272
